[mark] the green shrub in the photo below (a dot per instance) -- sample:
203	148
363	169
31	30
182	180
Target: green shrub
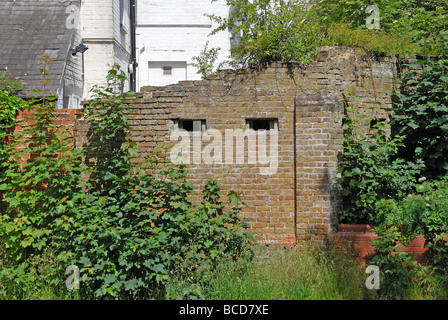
128	226
396	267
422	213
10	105
39	180
291	31
269	31
343	34
420	114
368	168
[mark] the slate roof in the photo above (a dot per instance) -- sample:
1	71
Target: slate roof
30	29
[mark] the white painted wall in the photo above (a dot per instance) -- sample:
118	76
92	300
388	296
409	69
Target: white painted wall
108	41
171	32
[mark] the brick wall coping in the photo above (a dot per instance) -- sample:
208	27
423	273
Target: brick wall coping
359	237
342	227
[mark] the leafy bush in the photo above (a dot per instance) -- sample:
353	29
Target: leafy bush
39	180
421	113
416	22
422	213
9	106
129	226
269	31
40	175
265	31
368	169
396	267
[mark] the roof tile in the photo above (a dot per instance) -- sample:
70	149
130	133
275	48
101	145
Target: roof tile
30	29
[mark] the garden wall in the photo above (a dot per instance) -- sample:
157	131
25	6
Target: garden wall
358	237
294	197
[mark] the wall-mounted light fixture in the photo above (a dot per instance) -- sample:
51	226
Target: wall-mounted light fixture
79	48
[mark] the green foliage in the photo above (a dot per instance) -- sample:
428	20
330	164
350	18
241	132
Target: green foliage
416	22
368	169
265	31
396	267
9	106
128	226
421	113
378	177
37	187
422	213
7	83
205	62
344	34
40	176
269	31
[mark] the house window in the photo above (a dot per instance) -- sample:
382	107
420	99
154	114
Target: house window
190	125
167	70
262	124
162	73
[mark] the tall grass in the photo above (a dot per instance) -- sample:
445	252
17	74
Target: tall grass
38	284
280	273
275	273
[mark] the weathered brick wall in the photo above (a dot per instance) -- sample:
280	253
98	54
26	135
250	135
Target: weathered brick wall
299	201
65	120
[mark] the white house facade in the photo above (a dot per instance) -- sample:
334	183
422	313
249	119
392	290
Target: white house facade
107	33
169	33
154	42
